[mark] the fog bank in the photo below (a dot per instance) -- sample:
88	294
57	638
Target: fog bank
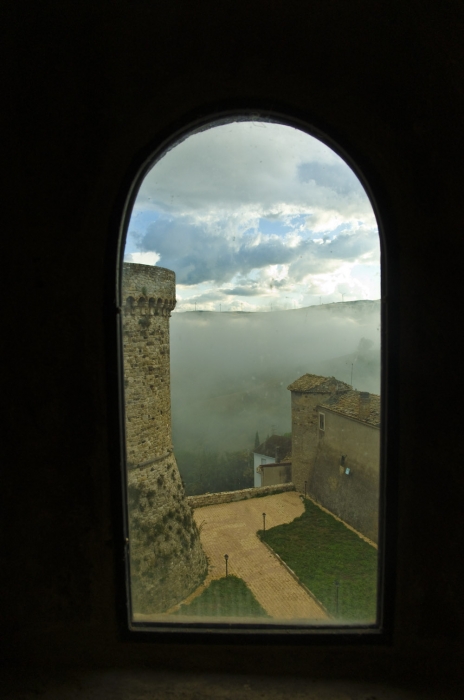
230	371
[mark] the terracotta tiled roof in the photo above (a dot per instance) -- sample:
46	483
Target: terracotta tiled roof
312	383
356	404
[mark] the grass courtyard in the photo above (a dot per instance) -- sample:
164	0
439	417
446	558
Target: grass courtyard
225	597
322	551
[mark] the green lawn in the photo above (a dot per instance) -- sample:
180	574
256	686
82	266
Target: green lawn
321	550
225	597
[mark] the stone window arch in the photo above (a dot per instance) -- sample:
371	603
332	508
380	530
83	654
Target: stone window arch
159	465
130	304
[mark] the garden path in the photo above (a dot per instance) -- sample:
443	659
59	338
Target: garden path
230	528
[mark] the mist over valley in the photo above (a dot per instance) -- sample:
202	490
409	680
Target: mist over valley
230	371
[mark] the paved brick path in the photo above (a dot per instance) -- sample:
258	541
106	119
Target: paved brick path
230	528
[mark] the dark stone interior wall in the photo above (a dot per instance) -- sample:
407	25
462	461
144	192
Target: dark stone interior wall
89	86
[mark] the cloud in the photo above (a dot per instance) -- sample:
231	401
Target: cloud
198	254
255	210
205	297
270	169
337	177
243	291
349	246
148	257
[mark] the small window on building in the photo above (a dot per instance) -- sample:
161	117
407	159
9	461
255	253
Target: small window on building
249	299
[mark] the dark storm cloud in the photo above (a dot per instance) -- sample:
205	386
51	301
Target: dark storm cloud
198	255
186	248
349	246
251	291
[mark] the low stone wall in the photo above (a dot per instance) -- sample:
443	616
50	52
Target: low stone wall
211	499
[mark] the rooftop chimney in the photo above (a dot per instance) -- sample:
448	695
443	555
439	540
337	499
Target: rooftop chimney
364	405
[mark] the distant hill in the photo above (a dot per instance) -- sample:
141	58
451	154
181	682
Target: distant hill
230	371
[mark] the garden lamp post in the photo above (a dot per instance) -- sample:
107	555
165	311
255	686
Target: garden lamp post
226	557
264	522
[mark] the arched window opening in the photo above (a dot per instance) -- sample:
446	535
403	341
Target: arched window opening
257	366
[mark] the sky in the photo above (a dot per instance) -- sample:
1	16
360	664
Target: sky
255	216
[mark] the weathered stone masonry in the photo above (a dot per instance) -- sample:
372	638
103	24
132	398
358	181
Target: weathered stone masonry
350	438
166	559
307	393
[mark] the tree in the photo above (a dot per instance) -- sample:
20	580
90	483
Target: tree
256	440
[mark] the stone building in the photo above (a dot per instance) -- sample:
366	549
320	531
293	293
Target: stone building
336	449
307	393
166	558
274	450
272	474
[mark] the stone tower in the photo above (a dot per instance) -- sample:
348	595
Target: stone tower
166	559
307	392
